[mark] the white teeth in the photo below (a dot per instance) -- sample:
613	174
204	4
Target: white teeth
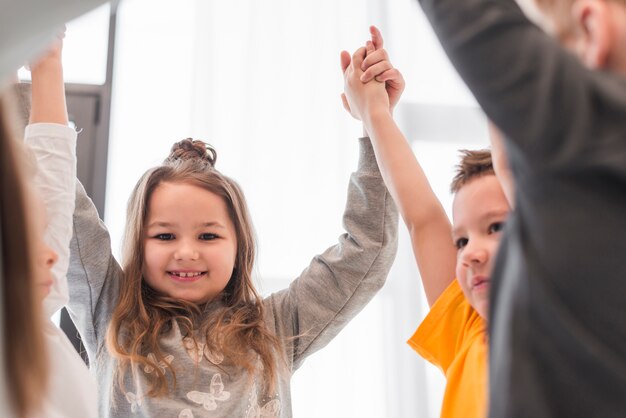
194	274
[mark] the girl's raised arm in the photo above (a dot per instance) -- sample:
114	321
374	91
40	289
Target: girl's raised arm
53	144
338	283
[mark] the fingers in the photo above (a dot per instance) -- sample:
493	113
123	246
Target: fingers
375	70
358	57
369	48
374	58
345	102
345	60
377	37
391	76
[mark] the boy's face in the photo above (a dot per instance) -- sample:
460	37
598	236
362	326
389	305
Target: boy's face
479	211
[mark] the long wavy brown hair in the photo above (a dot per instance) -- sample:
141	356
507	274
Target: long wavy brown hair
22	334
236	328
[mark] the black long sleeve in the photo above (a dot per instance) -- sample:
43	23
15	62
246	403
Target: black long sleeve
558	309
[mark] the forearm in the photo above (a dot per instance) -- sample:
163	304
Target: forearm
339	282
422	212
48	92
401	171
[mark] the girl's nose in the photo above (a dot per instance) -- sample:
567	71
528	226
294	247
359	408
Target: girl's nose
50	257
186	251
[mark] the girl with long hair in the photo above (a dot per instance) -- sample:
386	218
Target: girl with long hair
71	391
68	390
24	360
179	329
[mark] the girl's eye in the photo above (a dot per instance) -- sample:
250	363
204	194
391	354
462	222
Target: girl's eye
460	243
164	237
207	236
496	227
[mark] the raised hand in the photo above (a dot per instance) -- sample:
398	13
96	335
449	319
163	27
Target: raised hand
361	99
51	55
48	90
377	65
372	88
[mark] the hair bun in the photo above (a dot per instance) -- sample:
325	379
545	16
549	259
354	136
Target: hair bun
190	149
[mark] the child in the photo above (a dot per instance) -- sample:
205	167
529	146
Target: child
180	330
24	369
453	335
71	390
52	142
558	345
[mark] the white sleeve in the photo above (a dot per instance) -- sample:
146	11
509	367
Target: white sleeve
54	147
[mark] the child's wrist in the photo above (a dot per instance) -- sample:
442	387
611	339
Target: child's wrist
376	113
50	63
44	76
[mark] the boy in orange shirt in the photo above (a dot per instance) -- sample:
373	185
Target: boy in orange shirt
558	328
453	335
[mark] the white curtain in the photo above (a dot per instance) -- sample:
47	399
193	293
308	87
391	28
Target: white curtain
261	82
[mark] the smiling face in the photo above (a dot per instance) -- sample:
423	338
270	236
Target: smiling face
190	243
479	212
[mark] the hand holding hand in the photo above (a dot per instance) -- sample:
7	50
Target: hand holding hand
377	65
361	98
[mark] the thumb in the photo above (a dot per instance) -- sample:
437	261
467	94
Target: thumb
345	60
358	57
345	102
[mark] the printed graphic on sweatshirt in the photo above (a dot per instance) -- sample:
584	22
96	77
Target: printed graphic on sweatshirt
216	393
135	401
270	410
186	413
197	351
161	364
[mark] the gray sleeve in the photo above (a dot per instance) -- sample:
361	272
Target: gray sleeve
341	281
93	275
553	111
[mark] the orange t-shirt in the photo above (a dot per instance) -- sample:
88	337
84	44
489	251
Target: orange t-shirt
453	338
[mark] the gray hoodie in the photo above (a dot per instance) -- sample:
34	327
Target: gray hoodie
313	309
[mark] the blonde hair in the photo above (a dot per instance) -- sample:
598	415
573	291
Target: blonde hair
24	346
560	12
474	163
142	315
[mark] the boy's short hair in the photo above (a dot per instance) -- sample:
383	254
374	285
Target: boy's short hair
474	163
